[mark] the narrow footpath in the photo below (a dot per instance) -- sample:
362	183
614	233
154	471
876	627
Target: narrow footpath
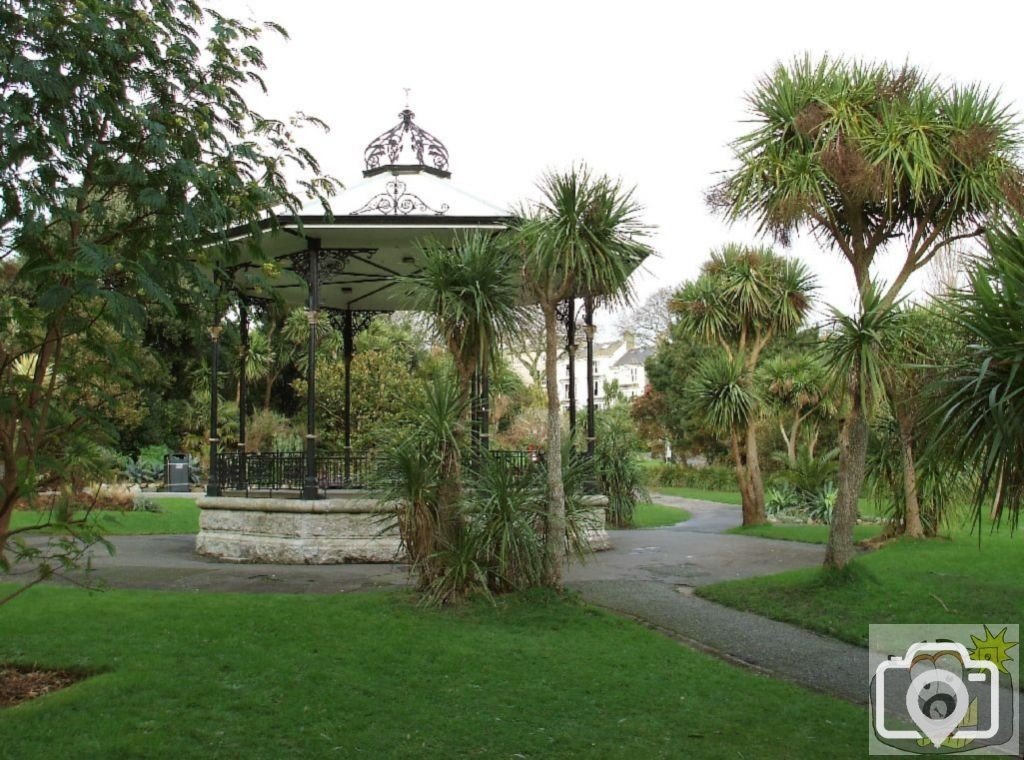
649	575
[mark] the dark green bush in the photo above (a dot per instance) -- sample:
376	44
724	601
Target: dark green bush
683	476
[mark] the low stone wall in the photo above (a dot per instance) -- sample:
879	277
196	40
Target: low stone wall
297	532
348	529
595	531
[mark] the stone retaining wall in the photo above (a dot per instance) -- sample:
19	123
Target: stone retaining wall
349	529
297	532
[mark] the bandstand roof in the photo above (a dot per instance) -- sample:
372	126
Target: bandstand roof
406	195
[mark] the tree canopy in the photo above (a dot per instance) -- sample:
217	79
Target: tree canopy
127	149
862	154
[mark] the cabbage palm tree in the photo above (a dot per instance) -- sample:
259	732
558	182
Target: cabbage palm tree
793	385
854	352
583	238
471	289
472	292
982	415
865	157
743	299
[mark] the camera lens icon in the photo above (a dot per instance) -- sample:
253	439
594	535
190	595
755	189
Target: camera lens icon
939	713
931	678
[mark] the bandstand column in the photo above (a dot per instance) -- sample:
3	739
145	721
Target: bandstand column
485	409
348	344
310	489
570	347
243	389
588	327
213	485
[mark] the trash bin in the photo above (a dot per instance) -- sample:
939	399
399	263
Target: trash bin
177	472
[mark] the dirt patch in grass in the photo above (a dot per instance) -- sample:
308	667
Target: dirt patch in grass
20	684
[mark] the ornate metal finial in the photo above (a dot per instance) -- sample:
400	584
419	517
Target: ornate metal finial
406	148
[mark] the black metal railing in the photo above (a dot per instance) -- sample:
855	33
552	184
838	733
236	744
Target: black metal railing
286	471
519	461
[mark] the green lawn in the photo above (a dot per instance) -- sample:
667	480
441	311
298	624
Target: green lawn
945	580
812	534
867	507
372	675
658	515
725	497
176	515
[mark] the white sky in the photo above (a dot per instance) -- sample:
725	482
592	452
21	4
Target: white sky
648	91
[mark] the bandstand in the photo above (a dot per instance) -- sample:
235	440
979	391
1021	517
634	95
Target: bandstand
315	507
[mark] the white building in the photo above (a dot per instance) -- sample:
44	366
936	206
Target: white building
620	361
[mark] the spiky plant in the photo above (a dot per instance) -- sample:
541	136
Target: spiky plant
744	298
582	238
866	156
982	415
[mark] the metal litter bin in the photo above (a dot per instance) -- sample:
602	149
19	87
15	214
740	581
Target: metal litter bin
177	473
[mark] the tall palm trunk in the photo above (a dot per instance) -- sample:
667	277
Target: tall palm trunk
853	450
760	516
912	525
554	557
748	477
790	438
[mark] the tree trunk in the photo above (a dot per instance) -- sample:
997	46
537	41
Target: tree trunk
853	447
747	500
554	558
912	513
790	439
756	482
997	500
271	377
5	525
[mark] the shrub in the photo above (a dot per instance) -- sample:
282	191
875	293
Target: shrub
618	473
497	541
683	476
786	500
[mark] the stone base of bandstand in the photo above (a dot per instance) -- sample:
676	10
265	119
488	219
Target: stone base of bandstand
594	523
352	527
347	528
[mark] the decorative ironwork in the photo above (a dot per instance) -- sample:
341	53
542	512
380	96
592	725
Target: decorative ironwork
332	262
360	319
402	139
397	201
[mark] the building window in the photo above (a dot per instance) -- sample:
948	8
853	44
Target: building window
597	389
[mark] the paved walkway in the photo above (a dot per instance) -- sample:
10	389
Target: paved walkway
649	574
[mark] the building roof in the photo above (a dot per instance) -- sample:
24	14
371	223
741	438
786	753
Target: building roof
634	356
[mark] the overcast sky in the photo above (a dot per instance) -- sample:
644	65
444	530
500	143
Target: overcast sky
649	91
